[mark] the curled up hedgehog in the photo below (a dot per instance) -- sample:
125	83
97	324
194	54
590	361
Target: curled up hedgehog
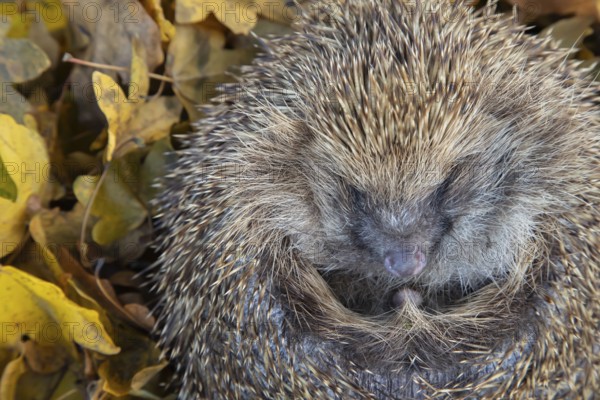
394	202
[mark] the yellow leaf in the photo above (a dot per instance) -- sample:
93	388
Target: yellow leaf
25	158
57	233
152	120
8	188
240	16
133	121
115	204
39	309
140	82
114	105
235	15
22	15
10	376
30	122
53	15
167	30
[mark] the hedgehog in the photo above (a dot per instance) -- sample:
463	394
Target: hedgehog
399	200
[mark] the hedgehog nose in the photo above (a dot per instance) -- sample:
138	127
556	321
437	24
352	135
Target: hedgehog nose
404	262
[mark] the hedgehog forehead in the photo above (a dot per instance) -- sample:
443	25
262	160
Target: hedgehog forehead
393	180
416	164
423	147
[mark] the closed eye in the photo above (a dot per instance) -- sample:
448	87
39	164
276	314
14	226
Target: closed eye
358	198
441	193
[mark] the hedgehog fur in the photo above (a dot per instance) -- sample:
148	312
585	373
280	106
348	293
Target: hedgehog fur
381	125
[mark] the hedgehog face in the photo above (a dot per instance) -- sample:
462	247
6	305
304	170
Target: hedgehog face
429	162
448	228
433	222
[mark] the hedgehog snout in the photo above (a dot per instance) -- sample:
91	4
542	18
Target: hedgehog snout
405	261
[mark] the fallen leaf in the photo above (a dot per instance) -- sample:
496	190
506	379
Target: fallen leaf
10	377
40	35
144	378
53	14
152	120
266	28
20	382
133	122
240	16
21	60
116	108
198	61
141	314
25	160
97	294
8	188
570	32
110	28
14	104
140	82
39	309
52	229
154	8
5	26
71	386
44	359
117	371
116	205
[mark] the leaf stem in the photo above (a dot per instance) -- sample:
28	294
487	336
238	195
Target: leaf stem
69	58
